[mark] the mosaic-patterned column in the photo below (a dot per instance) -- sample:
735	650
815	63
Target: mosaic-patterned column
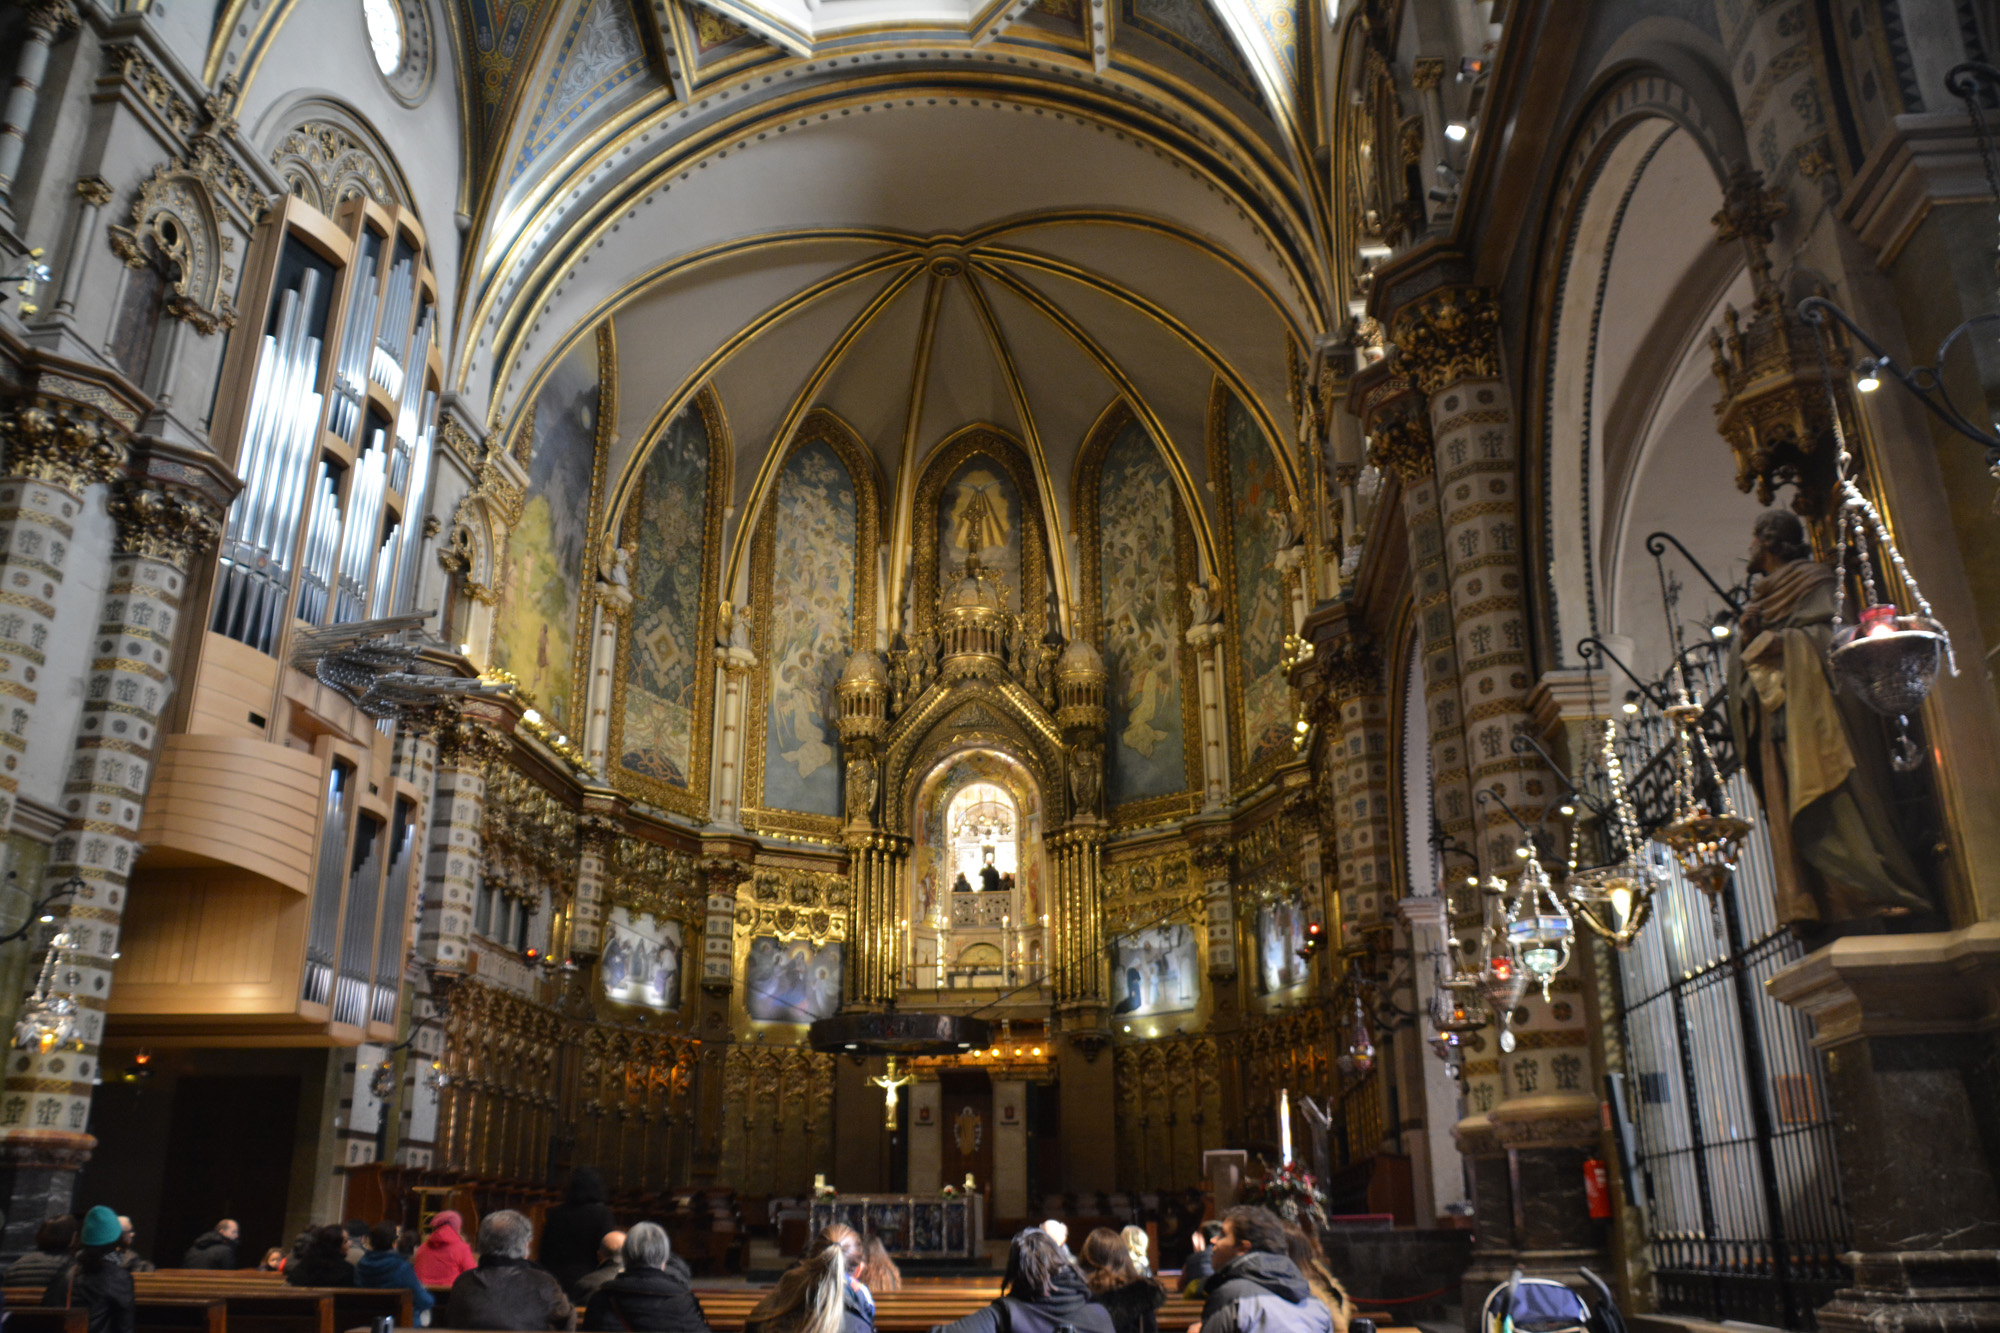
45	1104
54	453
415	762
458	817
1212	861
596	840
1360	772
721	876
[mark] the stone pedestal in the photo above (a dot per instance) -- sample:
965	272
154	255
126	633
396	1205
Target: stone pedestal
1910	1028
38	1181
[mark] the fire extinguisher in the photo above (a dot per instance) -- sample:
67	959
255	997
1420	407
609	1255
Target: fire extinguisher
1597	1189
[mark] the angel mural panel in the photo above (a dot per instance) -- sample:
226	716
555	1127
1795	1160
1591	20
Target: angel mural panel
641	963
534	626
1141	616
666	659
1257	492
979	513
813	581
791	981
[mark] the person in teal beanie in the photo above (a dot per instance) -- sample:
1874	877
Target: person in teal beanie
93	1279
385	1266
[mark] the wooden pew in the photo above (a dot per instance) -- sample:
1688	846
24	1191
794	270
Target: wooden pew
152	1314
46	1319
352	1306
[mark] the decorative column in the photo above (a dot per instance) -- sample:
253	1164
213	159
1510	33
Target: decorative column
93	193
874	860
45	1104
720	877
54	453
1546	1121
1206	637
734	664
1359	761
415	762
614	604
1212	860
458	817
1078	952
45	21
596	841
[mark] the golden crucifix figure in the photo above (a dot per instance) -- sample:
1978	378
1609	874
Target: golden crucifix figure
889	1082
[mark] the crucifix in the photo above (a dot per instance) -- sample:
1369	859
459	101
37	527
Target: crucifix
889	1082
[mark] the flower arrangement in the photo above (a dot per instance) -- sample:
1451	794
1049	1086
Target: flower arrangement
1289	1191
822	1190
949	1191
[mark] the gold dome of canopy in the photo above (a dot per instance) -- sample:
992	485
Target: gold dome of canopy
1079	659
865	668
974	592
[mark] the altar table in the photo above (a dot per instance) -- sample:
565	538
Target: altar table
912	1226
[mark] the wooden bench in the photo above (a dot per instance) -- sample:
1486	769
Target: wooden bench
152	1314
47	1319
352	1306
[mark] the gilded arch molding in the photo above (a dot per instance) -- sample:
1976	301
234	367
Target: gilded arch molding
972	714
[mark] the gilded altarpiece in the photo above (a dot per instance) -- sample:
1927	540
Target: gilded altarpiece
664	682
981	468
1138	561
814	557
1256	511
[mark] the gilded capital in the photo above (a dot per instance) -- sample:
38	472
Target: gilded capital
1401	443
1427	73
1352	668
94	190
164	523
1448	336
48	442
463	743
49	19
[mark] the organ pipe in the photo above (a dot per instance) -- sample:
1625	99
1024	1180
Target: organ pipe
279	444
357	541
355	340
408	421
322	534
386	365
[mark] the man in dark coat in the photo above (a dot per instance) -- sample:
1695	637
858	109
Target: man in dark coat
574	1227
214	1249
610	1263
648	1295
1256	1288
506	1291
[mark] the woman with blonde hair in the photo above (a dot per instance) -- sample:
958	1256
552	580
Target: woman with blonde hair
810	1298
1137	1241
881	1273
1132	1299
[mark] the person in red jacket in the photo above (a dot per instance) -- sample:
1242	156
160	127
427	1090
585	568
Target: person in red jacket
444	1253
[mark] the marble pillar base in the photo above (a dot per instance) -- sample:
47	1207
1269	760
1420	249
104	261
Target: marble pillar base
37	1182
1935	1291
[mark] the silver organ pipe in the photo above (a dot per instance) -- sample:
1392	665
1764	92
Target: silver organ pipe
279	442
322	533
385	574
386	365
364	521
351	369
414	501
407	420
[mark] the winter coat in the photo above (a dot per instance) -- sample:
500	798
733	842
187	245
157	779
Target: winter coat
35	1268
1134	1307
132	1262
211	1249
507	1294
570	1237
95	1283
1262	1293
389	1269
592	1282
1069	1304
316	1271
1195	1270
444	1253
646	1300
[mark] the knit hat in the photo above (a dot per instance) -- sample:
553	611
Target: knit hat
100	1227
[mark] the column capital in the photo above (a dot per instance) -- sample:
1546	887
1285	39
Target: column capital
463	743
1401	442
163	522
48	440
49	19
94	190
1352	667
1449	335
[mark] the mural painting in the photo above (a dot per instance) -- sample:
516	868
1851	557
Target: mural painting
641	963
1154	971
534	626
667	658
791	981
1281	933
1137	576
1258	504
979	513
812	577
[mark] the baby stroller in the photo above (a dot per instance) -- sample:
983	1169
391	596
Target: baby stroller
1525	1304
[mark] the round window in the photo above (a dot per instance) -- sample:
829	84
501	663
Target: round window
399	34
385	34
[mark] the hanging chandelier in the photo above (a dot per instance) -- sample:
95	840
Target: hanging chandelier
1614	901
1539	928
1706	842
1454	1015
1359	1057
51	1020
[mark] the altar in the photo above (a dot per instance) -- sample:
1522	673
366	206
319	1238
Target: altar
911	1226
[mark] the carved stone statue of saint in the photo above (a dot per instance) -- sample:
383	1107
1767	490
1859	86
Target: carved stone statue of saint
1086	777
861	785
1816	757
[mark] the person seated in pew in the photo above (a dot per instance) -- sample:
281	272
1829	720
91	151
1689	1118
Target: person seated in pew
1130	1297
214	1249
92	1280
648	1297
385	1266
444	1253
857	1302
1201	1260
51	1252
610	1263
129	1259
882	1274
357	1240
812	1297
1256	1288
324	1264
1040	1293
506	1291
573	1228
274	1261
